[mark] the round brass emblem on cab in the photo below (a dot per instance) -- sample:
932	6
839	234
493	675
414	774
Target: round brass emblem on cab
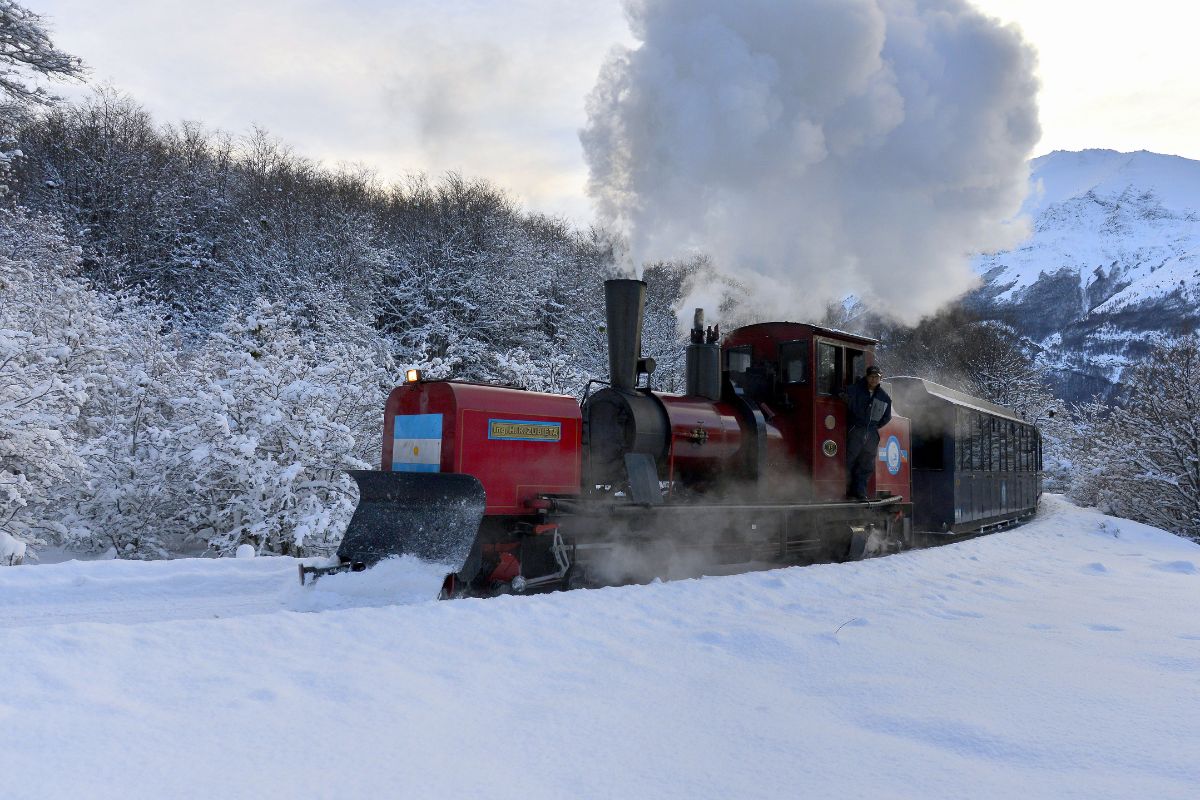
829	448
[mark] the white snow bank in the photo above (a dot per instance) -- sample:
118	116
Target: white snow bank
130	592
1060	659
12	552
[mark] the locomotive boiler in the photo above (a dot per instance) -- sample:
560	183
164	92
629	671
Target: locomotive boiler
523	491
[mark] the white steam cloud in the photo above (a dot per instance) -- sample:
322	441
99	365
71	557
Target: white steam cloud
816	148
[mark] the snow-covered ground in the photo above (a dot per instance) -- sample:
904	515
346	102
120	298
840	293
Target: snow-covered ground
1060	659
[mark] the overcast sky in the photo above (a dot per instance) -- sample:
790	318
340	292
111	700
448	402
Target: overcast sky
497	89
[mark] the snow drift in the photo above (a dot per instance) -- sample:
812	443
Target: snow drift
1056	660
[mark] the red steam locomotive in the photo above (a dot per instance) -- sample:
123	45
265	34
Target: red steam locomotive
524	491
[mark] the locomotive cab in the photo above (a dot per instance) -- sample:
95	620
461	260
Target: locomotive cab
798	374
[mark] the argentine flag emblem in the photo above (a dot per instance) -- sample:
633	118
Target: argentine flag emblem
417	443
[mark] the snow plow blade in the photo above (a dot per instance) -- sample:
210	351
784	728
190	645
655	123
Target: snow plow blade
434	516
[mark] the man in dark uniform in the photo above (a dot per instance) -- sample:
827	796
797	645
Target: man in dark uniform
869	409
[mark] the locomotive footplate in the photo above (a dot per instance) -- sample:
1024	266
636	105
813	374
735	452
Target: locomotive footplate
706	535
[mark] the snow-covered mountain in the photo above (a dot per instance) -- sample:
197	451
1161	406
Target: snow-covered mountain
1113	262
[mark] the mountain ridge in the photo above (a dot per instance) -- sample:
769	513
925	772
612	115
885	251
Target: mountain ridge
1112	264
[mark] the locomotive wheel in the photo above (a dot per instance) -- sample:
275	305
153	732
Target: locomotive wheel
574	579
858	546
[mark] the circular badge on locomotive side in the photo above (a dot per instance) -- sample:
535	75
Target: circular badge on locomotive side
829	448
893	455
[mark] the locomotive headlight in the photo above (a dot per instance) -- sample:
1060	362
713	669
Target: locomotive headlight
412	376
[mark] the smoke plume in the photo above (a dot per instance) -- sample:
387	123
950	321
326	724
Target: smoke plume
816	148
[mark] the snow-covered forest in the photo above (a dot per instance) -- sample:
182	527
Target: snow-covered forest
199	334
198	330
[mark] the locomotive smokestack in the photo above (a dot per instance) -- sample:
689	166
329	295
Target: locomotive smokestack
624	300
703	369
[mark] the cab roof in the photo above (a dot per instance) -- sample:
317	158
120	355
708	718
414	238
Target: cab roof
834	333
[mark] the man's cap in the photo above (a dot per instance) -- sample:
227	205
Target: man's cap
873	370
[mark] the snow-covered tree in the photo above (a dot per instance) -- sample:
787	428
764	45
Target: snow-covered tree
272	415
983	358
125	500
53	338
1141	458
27	53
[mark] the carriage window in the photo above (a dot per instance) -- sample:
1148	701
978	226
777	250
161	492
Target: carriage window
985	446
980	448
737	359
1018	448
1004	444
959	445
997	445
829	381
989	443
964	438
793	362
1011	444
1014	447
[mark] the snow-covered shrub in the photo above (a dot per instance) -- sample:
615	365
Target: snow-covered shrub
12	552
272	414
1141	458
53	338
125	500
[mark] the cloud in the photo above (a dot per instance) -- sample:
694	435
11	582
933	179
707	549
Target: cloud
816	148
404	85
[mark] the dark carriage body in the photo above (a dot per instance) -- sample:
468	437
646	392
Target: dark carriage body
975	465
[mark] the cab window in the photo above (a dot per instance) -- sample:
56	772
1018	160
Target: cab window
829	368
737	359
793	362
